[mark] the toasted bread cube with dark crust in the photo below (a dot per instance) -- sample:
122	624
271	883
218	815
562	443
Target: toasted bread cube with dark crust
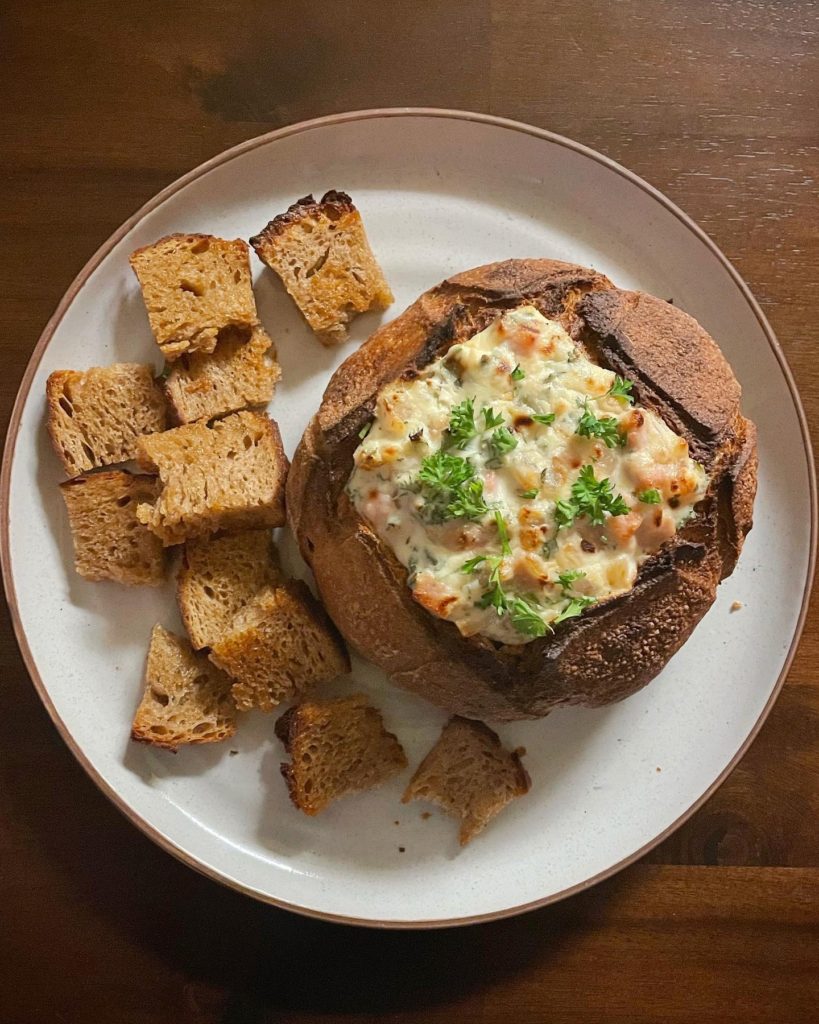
109	542
95	417
336	747
194	286
322	255
279	646
470	775
238	373
220	576
228	475
186	699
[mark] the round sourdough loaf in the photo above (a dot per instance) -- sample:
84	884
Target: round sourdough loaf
613	648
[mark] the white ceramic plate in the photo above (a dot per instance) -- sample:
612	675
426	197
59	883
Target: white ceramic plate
440	192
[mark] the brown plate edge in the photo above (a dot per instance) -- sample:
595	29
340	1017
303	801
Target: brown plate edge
73	291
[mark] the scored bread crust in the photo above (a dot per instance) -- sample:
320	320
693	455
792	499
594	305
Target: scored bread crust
613	648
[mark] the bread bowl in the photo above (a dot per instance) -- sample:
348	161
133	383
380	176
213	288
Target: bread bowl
607	649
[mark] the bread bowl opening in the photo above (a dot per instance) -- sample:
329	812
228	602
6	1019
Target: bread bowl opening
518	482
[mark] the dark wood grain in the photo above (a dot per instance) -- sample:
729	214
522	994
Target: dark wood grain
105	103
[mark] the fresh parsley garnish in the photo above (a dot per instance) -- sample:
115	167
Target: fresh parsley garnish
607	429
441	471
568	576
517	373
468	503
472	564
448	486
494	597
650	497
531	493
565	512
621	388
522	613
573	609
524	617
544	418
490	418
503	532
461	427
590	497
365	430
501	442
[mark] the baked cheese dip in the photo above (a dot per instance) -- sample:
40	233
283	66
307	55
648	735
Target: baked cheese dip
518	482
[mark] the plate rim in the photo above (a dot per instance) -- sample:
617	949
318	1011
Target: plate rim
24	389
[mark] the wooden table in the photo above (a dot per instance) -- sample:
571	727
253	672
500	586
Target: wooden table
104	103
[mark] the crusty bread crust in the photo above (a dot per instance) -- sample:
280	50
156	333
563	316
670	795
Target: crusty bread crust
614	648
321	253
332	202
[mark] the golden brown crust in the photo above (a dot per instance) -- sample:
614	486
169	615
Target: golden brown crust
617	647
321	253
332	203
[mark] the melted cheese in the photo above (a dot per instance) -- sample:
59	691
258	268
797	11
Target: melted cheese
519	367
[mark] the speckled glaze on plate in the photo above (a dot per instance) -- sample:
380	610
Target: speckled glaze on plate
440	191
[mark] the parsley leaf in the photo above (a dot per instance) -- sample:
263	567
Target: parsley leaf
621	388
501	442
468	503
524	617
517	373
491	419
494	597
590	497
472	564
607	429
449	488
545	418
441	471
522	613
532	493
567	578
503	532
573	609
565	513
650	497
461	427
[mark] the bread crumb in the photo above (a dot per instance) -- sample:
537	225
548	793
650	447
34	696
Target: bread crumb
425	815
658	769
233	753
396	823
736	605
402	849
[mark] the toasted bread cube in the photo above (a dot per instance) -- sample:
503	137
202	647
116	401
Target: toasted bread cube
186	699
238	373
279	646
336	747
322	255
219	577
229	475
96	417
194	286
109	542
470	775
